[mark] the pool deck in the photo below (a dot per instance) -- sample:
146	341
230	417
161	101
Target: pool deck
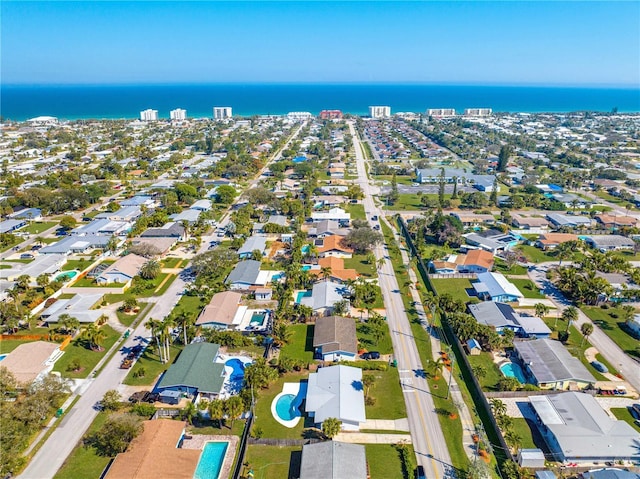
198	441
289	388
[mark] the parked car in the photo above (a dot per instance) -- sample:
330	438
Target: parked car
374	218
420	473
376	227
599	367
371	355
26	256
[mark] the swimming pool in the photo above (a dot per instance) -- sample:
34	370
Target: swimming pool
2	356
305	267
66	276
237	367
305	249
302	294
257	319
211	460
285	408
513	370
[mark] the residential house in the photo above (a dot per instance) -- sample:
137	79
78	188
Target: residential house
223	311
337	392
48	264
244	275
79	307
328	201
332	246
338	272
157	245
529	222
501	316
74	244
633	324
8	226
548	241
472	220
251	244
491	240
324	296
474	261
29	214
170	230
559	220
155	453
334	460
32	361
551	366
610	473
614	222
139	200
201	205
577	428
195	373
336	214
610	242
191	216
123	270
495	287
326	228
126	214
334	338
102	226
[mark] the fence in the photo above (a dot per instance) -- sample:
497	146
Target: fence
453	275
166	413
243	448
284	442
526	394
483	408
66	339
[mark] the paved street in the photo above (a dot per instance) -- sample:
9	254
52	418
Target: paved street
59	445
427	436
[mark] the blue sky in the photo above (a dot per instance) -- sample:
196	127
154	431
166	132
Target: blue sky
515	43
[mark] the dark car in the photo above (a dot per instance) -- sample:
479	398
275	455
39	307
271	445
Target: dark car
599	366
420	473
371	355
374	218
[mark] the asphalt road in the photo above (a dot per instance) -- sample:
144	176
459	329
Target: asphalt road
628	367
427	436
69	432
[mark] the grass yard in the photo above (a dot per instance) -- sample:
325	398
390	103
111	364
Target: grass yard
171	262
366	339
527	288
611	322
356	211
406	202
78	349
273	461
300	345
456	287
493	375
263	417
400	179
388	395
79	264
625	415
11	241
91	283
361	265
84	460
163	286
501	267
521	426
150	361
208	427
191	305
533	254
8	345
37	228
128	319
385	462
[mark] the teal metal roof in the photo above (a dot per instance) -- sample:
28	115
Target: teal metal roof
196	368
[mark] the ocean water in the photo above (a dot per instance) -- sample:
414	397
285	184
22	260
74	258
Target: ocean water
126	101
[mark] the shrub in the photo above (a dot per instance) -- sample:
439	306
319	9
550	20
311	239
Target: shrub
370	401
74	365
143	409
370	365
140	373
563	336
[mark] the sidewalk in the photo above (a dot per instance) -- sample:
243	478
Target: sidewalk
386	424
370	438
468	426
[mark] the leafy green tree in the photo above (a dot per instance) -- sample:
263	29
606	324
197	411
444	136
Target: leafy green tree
225	194
116	434
111	400
67	222
259	374
331	427
503	157
508	384
362	239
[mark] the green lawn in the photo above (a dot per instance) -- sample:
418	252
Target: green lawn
91	283
273	461
625	415
401	180
533	254
37	228
489	381
171	262
79	264
384	462
10	244
527	288
8	345
128	319
150	361
264	419
78	349
521	426
406	201
387	392
612	323
501	267
192	305
367	341
84	461
163	287
356	211
208	427
456	287
300	345
361	265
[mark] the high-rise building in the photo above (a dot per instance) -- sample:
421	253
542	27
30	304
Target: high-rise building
379	111
149	115
330	115
478	112
222	112
441	112
178	114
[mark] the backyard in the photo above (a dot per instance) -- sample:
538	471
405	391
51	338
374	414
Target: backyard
611	321
78	350
273	461
300	345
356	210
361	265
533	254
527	288
456	287
384	461
149	362
387	392
492	374
37	228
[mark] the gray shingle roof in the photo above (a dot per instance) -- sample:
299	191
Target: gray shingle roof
244	272
549	361
333	460
335	333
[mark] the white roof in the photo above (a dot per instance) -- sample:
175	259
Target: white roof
336	391
497	285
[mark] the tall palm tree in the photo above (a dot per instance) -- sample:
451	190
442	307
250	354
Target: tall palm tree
167	325
325	272
216	411
586	329
541	310
155	325
150	270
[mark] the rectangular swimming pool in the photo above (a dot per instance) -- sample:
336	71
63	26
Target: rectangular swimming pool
302	294
211	460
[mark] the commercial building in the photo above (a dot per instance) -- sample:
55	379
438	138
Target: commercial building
178	114
149	115
330	115
478	112
222	112
336	392
334	338
576	428
441	112
299	115
551	366
379	111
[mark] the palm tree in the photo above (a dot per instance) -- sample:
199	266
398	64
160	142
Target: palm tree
216	411
155	325
541	310
167	325
234	407
570	314
189	412
281	334
183	320
325	272
69	322
367	381
331	427
586	329
340	307
150	270
94	335
381	262
499	408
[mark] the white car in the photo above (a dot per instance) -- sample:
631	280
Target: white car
415	184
